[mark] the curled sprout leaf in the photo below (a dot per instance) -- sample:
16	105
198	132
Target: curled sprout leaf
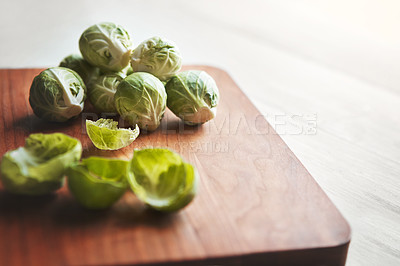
39	167
57	94
128	70
193	96
97	182
102	90
86	71
105	134
107	46
141	99
160	178
157	56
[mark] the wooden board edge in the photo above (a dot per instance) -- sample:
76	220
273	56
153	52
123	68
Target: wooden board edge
328	256
347	237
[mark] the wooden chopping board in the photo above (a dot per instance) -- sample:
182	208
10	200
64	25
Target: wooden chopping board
256	205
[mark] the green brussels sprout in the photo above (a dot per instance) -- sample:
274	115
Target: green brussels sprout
98	182
57	94
193	96
157	56
107	46
101	91
85	70
160	178
141	99
38	168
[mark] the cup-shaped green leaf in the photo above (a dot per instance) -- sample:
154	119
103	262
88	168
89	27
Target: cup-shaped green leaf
85	70
107	46
161	179
105	134
193	96
57	94
141	99
157	56
39	167
98	182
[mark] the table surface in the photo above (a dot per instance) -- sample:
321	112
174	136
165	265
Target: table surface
325	75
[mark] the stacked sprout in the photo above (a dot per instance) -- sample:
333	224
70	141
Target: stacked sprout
135	83
138	84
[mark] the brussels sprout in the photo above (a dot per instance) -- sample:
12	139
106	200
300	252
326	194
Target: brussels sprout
57	94
107	46
39	167
160	178
86	71
157	56
101	91
141	99
193	96
98	182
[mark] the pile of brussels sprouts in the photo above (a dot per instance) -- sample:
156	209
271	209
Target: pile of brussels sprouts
137	83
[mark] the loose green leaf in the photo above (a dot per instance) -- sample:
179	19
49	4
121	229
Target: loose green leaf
160	178
39	167
105	134
97	182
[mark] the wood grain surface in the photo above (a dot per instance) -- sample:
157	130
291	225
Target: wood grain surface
257	204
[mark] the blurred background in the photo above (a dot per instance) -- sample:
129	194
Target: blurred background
334	63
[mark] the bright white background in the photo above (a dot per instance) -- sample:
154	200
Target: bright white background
338	60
